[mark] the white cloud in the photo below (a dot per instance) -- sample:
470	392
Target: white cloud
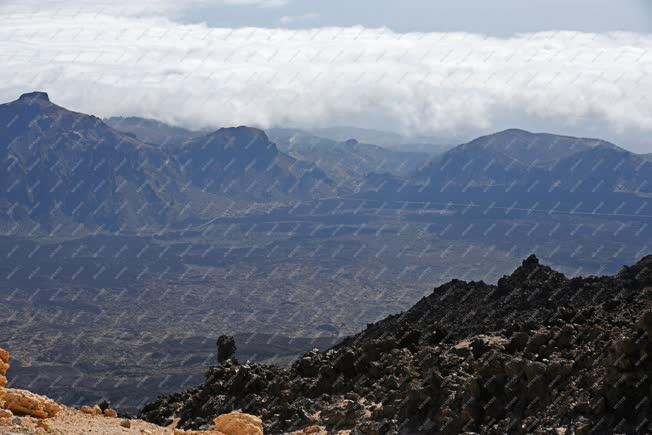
442	84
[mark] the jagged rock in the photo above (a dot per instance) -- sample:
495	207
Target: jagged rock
238	423
28	403
225	348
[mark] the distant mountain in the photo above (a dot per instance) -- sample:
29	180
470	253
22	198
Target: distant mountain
349	160
245	162
63	166
68	168
532	149
385	139
152	131
518	162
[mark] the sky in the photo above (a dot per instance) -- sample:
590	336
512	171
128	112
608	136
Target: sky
446	70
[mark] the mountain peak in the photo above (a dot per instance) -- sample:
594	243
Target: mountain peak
34	97
531	261
531	273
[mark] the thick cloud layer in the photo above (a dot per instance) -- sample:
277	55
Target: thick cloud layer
448	85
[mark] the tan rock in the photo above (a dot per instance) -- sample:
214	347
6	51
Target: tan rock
27	403
238	423
5	413
315	430
108	412
4	355
3	381
4	367
91	410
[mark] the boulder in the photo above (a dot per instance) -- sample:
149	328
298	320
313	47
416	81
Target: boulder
27	403
110	412
91	410
238	423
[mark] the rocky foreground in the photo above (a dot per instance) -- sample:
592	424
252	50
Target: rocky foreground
536	353
23	412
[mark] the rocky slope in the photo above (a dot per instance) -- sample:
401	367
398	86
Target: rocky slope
535	353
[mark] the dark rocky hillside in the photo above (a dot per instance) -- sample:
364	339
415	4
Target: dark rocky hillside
535	353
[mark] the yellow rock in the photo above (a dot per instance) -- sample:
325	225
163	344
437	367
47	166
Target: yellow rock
238	423
27	403
92	410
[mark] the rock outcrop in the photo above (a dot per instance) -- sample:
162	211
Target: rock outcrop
27	403
4	367
22	402
536	353
237	423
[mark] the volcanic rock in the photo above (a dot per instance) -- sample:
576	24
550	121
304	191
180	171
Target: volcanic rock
536	353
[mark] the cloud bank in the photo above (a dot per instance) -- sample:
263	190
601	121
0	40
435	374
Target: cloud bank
448	85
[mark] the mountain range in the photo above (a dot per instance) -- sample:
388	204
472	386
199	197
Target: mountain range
284	237
67	168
